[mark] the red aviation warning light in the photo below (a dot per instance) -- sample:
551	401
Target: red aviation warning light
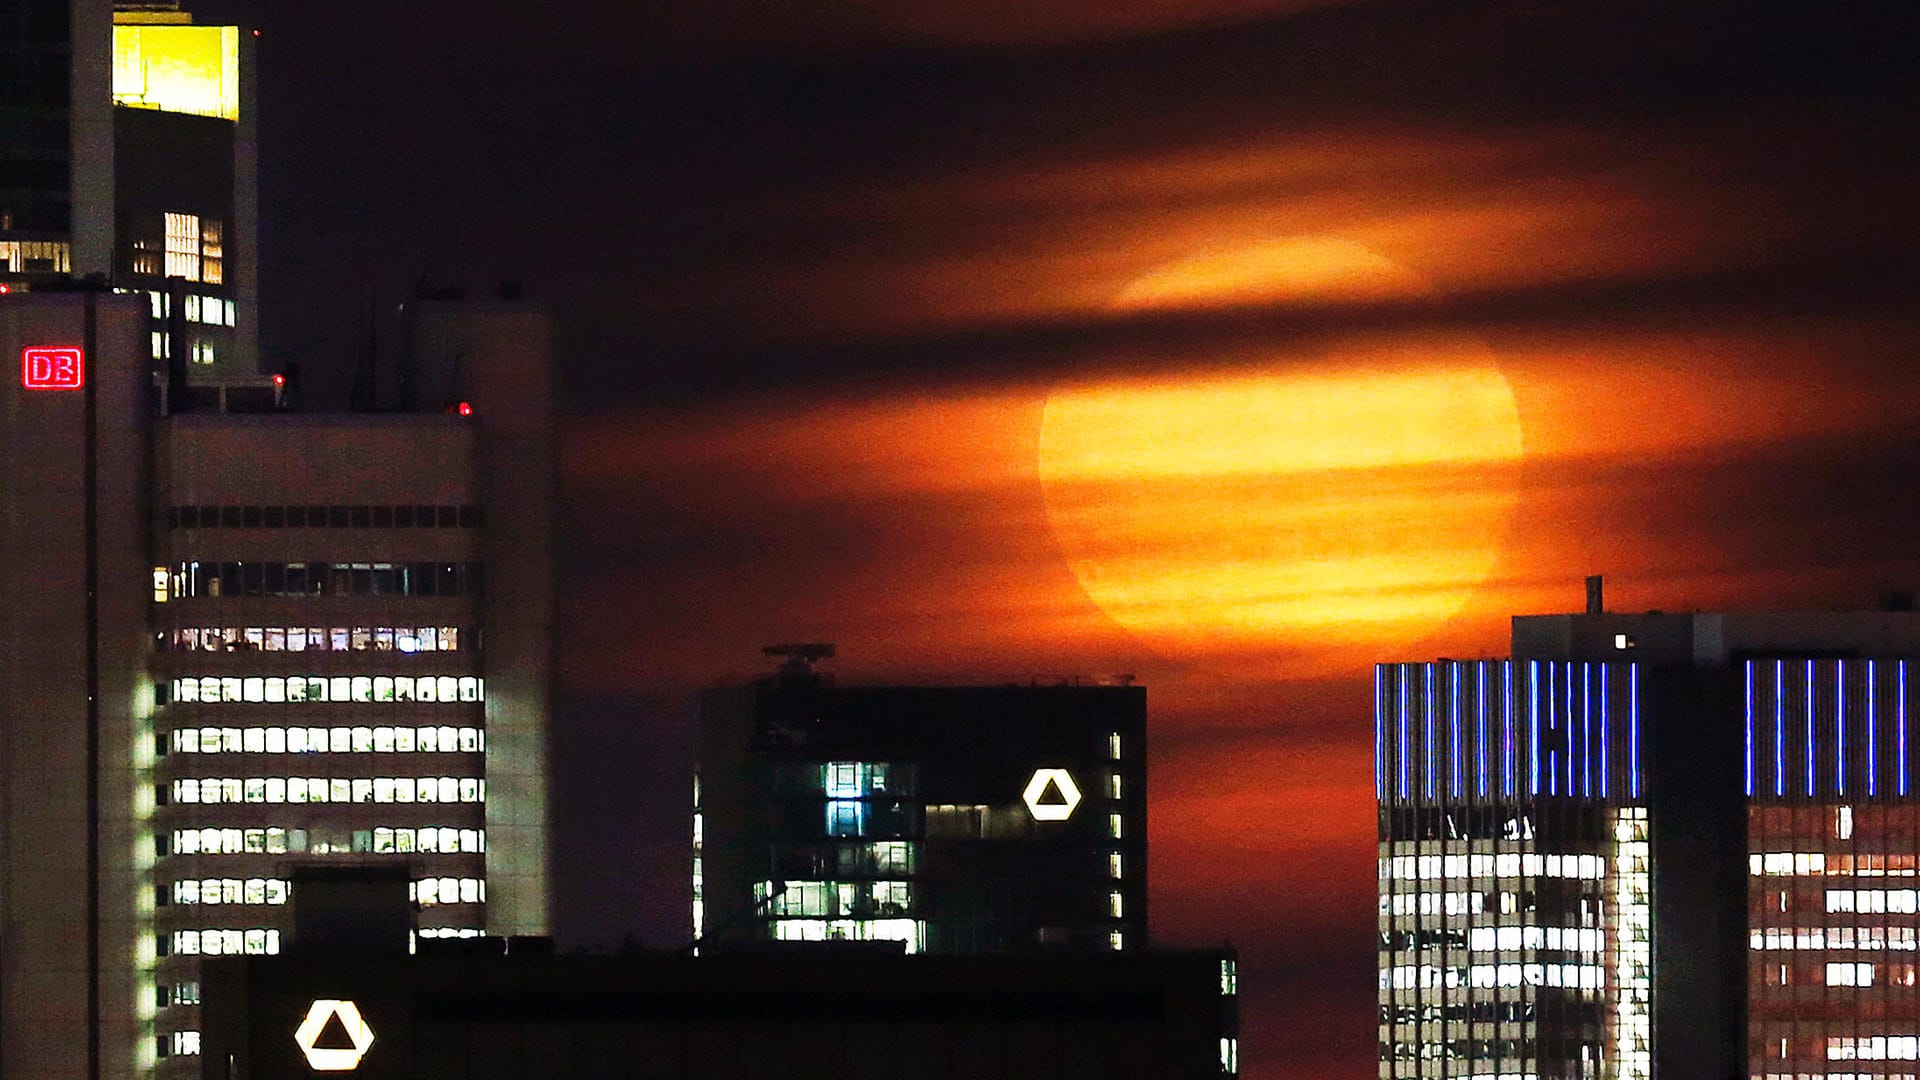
52	368
465	408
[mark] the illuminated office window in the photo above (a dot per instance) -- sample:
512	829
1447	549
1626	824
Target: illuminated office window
211	252
183	246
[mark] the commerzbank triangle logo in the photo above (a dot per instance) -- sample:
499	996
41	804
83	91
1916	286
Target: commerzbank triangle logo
334	1036
1051	795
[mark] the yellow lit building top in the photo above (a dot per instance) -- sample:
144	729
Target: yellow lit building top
177	68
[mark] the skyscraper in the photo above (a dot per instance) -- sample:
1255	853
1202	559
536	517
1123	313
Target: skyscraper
129	154
953	819
234	643
1652	845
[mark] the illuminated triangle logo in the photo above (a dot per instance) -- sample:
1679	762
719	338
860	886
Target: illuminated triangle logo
1051	795
334	1036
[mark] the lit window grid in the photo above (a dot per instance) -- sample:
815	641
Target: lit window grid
321	689
363	739
1458	738
1832	927
282	840
1832	977
214	790
224	639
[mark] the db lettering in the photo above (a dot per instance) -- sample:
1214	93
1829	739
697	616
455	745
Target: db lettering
52	369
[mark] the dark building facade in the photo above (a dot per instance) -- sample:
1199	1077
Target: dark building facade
1652	846
809	1011
952	819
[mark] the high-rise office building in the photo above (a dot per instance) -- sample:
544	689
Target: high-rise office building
1653	846
129	154
959	819
237	643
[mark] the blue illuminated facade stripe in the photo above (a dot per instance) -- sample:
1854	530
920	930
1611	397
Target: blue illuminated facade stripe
1506	703
1567	723
1533	720
1379	738
1900	721
1406	741
1606	745
1779	727
1749	667
1453	733
1633	731
1480	718
1431	788
1809	727
1873	735
1840	728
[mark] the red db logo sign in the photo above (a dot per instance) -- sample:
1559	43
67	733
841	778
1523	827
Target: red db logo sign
45	368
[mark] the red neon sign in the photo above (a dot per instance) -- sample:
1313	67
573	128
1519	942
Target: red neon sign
52	368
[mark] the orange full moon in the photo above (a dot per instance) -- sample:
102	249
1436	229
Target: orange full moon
1286	512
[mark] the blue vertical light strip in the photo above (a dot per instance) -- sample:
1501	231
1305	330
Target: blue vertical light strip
1840	727
1379	737
1480	720
1633	731
1428	669
1567	723
1780	727
1749	667
1506	708
1406	739
1873	732
1533	723
1606	745
1453	723
1900	720
1586	727
1809	727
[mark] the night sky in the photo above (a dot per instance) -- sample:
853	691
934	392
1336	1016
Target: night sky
1365	325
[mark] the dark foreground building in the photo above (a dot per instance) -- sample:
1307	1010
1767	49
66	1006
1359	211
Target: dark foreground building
800	1011
954	819
1676	846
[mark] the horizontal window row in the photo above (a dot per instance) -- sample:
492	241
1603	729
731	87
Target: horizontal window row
450	932
1465	1050
1874	1048
224	689
1466	1012
187	580
1440	903
405	516
273	891
178	1043
1815	864
257	941
426	839
211	310
301	789
406	639
1495	938
1901	901
322	740
867	899
1487	865
1428	976
1896	938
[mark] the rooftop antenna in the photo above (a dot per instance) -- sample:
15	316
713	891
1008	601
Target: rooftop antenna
800	656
